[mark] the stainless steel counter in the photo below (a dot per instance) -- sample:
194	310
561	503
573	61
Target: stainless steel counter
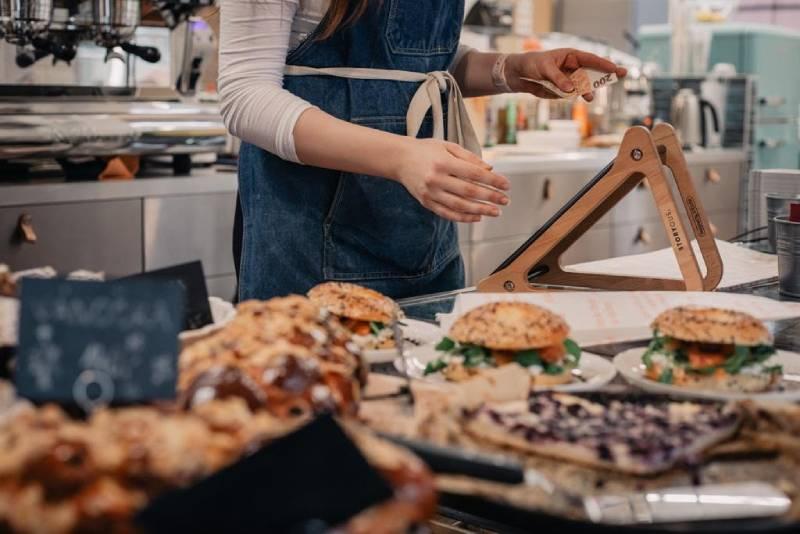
127	226
199	183
590	160
124	227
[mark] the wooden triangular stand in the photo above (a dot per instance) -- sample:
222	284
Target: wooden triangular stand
642	155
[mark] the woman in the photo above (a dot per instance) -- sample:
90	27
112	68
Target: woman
343	172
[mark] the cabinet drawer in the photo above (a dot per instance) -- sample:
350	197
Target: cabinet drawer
534	199
487	256
99	236
725	223
638	238
180	229
593	245
637	206
223	286
718	185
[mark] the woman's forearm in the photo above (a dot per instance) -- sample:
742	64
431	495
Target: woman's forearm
444	177
322	140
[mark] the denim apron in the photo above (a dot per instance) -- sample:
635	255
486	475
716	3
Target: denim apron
303	225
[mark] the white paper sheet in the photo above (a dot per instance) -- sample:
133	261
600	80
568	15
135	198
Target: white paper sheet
740	265
597	317
9	309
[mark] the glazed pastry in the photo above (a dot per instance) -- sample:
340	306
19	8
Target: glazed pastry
284	355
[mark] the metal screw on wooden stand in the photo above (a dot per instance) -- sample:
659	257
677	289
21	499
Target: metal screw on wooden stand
509	285
637	154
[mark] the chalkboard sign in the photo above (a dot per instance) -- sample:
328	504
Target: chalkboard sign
308	481
94	343
197	311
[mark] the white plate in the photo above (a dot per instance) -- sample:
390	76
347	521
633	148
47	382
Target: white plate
415	333
630	366
595	370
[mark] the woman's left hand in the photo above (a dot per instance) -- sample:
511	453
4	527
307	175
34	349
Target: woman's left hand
554	66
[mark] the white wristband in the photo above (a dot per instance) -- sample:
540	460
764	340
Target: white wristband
499	74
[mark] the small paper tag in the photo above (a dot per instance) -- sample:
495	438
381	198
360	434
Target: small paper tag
98	343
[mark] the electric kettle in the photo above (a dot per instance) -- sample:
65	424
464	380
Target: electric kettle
689	118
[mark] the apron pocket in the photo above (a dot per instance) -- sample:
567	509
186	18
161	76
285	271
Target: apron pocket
423	28
375	229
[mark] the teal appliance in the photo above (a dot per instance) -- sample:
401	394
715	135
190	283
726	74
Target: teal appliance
770	54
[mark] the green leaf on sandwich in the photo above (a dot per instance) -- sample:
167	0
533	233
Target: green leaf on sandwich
435	366
553	369
446	345
666	376
737	361
475	356
376	327
528	358
573	351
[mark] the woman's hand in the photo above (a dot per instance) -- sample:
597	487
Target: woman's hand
554	66
449	180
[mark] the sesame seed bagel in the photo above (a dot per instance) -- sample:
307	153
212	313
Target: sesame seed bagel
354	302
510	326
712	325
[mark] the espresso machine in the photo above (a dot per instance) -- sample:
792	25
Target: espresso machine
99	78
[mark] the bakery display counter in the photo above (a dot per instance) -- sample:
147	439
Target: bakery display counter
764	448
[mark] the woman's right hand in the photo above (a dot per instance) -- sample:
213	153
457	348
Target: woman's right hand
450	181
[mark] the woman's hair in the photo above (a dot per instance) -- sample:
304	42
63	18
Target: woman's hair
340	13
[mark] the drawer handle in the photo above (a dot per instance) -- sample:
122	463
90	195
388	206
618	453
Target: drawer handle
25	228
547	189
643	236
713	175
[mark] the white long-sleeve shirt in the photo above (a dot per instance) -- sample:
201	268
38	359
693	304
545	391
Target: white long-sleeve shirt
255	38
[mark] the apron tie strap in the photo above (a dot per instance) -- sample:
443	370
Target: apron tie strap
427	97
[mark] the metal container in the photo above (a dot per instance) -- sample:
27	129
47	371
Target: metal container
788	245
115	18
20	19
777	205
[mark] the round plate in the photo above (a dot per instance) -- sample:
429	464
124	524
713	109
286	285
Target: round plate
630	366
415	333
595	371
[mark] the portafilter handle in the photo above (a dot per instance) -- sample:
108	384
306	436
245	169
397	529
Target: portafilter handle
60	50
27	58
150	54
